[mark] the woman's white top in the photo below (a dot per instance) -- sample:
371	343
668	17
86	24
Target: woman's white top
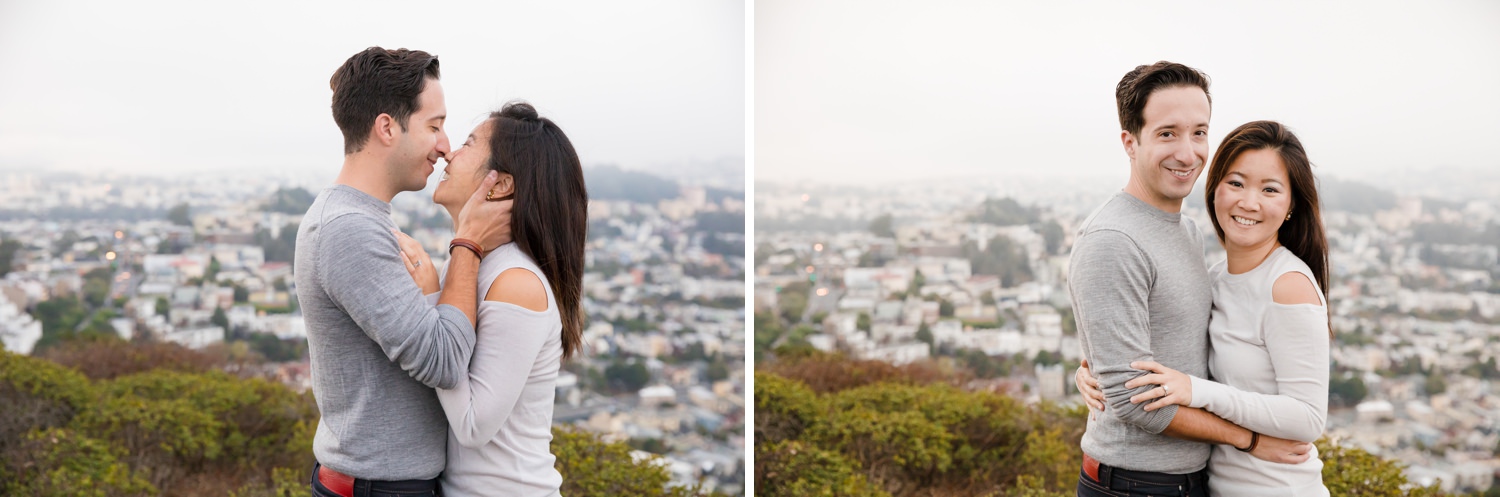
1269	363
500	416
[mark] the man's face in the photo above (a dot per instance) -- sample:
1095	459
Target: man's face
1169	154
419	147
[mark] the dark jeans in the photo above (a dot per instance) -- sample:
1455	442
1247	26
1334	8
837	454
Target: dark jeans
376	488
1124	483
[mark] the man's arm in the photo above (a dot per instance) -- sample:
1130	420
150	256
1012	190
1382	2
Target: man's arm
1111	280
1202	426
486	223
361	269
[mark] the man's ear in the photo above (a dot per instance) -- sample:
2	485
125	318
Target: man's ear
384	130
1128	140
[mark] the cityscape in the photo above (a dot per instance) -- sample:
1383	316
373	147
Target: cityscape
972	274
204	261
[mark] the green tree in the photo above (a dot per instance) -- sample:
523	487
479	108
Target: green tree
219	319
180	215
212	273
945	308
1052	235
592	467
627	377
162	307
8	249
1352	471
96	285
1435	383
862	323
924	334
1347	390
917	281
718	370
882	226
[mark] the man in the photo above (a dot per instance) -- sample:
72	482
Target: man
378	348
1141	292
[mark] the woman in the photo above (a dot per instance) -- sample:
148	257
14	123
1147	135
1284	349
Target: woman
1269	329
500	417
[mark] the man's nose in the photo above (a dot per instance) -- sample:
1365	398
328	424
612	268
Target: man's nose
1186	154
442	145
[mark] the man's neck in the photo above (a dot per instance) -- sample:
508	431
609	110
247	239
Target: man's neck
366	174
1140	192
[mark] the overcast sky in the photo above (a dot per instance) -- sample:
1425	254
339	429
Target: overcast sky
855	91
199	86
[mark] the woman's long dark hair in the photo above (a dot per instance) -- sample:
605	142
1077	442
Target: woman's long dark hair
1303	233
549	220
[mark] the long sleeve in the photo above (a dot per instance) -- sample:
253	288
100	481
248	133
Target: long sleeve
1296	340
363	274
509	340
1111	284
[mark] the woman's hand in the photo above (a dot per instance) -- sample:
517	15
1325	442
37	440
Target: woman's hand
1173	387
1088	386
418	263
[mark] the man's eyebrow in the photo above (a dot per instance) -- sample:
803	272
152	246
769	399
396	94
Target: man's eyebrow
439	117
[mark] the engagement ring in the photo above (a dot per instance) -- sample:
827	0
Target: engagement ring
1166	391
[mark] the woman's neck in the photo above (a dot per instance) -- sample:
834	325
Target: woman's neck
1242	259
453	211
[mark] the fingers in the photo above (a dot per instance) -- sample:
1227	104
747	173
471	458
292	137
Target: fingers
1152	366
411	267
485	185
1154	393
1143	380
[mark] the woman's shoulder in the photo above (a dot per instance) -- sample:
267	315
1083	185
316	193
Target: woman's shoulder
1292	280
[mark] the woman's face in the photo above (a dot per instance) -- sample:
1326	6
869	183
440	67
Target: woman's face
1253	199
465	168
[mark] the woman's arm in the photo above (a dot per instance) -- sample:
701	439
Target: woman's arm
510	335
1295	331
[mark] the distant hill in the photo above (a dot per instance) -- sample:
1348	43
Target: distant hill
612	183
1353	196
290	201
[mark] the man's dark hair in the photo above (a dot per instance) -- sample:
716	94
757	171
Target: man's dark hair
374	82
1138	84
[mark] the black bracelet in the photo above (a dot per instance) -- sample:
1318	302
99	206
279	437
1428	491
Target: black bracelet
1254	441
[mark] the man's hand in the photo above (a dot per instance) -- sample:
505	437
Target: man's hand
482	221
1281	450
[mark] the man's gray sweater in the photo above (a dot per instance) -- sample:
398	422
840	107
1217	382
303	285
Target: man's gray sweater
1140	293
378	348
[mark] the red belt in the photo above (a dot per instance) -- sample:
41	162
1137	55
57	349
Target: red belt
343	484
1091	467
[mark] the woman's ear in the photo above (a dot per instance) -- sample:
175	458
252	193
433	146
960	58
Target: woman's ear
505	187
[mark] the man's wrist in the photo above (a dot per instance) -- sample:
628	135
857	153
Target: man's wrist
1252	441
468	245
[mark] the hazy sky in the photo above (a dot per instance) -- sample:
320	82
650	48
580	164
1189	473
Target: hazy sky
190	86
860	91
